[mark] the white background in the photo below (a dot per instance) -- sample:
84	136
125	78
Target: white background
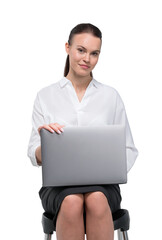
32	56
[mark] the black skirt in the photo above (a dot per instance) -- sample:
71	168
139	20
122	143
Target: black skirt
52	197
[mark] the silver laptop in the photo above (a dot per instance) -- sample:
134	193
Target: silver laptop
84	155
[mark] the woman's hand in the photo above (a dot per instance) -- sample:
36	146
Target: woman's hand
52	127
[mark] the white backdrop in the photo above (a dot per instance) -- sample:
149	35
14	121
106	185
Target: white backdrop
32	56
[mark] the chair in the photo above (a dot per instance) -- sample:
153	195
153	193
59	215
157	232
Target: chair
120	218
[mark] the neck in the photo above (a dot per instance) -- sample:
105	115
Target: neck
80	83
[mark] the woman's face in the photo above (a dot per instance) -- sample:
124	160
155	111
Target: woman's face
83	53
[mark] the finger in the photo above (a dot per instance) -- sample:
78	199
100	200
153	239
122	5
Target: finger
60	127
49	129
46	127
57	126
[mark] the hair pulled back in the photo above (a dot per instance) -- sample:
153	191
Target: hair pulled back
81	28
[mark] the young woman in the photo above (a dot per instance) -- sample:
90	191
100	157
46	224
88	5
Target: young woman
79	100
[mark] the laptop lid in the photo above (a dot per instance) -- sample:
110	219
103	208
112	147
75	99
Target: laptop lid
84	156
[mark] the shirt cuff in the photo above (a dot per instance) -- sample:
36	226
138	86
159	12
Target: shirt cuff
33	157
131	158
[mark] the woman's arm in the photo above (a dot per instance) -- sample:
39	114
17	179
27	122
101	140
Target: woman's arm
38	155
121	118
34	142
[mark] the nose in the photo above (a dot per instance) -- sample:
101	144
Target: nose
86	57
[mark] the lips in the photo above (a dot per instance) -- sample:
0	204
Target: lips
84	66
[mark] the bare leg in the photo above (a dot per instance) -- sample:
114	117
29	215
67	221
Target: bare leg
70	224
99	223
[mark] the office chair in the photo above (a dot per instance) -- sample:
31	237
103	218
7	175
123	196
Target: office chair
120	218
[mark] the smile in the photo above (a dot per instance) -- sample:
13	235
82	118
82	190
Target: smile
84	66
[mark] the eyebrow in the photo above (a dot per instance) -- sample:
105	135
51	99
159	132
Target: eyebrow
86	49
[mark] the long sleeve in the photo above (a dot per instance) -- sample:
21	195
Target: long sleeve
53	104
37	121
121	118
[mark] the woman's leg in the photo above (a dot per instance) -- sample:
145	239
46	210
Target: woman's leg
99	223
70	223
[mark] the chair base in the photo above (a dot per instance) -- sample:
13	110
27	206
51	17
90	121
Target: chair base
122	235
48	236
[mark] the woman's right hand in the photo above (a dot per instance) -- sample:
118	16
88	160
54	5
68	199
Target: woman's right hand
52	127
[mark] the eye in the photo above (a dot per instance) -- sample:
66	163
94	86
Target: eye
95	53
80	50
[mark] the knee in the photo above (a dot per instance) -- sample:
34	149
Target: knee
72	206
96	204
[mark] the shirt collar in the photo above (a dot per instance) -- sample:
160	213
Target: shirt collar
65	81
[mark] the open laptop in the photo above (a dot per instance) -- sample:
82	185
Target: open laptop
84	155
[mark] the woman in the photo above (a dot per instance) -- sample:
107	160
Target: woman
79	100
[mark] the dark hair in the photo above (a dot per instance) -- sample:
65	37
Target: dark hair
81	28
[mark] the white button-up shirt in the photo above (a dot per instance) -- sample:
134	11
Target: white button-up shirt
59	103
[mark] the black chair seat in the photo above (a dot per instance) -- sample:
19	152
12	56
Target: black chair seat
120	218
47	223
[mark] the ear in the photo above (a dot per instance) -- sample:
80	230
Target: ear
67	47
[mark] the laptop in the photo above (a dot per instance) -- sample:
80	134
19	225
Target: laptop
84	155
